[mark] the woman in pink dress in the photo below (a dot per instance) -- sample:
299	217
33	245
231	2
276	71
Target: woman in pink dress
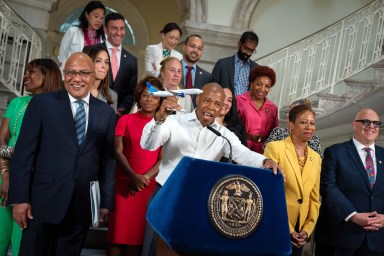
258	114
135	172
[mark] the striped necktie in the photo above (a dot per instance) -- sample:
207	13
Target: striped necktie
369	166
80	121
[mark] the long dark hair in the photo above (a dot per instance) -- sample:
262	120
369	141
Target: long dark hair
92	51
87	9
233	122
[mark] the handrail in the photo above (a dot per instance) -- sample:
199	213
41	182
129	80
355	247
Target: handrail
19	44
326	58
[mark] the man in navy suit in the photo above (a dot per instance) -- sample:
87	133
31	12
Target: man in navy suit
126	78
233	72
351	216
53	164
192	51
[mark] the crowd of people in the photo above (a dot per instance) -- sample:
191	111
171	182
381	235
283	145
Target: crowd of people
88	118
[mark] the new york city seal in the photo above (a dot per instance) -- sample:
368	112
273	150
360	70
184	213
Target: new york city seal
235	206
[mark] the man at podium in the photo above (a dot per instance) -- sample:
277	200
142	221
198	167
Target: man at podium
188	135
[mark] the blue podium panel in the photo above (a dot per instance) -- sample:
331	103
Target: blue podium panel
180	212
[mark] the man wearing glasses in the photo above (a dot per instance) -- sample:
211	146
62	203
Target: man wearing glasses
233	72
351	216
66	141
193	75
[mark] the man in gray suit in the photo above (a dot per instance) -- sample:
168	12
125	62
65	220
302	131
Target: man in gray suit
233	72
197	77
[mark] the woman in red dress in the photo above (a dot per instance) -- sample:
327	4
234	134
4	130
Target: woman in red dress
135	172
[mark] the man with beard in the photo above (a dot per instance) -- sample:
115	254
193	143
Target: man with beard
193	75
233	72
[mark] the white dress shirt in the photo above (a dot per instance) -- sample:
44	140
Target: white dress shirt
74	107
118	53
363	155
183	135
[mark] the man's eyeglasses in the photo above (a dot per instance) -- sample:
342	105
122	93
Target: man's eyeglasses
367	122
248	50
195	47
81	73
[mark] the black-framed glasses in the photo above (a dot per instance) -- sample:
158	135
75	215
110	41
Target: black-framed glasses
81	73
367	122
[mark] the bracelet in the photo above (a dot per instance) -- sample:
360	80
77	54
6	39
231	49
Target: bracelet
158	119
3	171
6	152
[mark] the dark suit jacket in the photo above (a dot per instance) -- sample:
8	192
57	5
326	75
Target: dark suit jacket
224	69
49	168
126	80
202	77
344	189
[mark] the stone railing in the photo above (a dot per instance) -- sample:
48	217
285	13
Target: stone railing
326	58
19	44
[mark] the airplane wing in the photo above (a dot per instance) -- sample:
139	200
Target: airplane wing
180	93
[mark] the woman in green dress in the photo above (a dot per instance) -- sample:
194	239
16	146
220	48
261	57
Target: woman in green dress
42	75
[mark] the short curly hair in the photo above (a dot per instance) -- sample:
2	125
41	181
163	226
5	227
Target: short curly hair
262	71
140	87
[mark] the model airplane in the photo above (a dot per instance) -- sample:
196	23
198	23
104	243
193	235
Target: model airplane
180	93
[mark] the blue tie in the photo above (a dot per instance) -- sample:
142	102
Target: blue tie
80	121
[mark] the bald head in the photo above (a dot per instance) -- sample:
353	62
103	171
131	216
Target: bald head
365	131
213	87
209	103
79	75
79	56
366	111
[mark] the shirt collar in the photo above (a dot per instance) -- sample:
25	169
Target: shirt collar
109	46
86	98
238	60
185	65
360	146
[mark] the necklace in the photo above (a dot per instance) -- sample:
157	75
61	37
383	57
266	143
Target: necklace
302	159
22	110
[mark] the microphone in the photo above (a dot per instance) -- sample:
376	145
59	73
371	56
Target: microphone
229	143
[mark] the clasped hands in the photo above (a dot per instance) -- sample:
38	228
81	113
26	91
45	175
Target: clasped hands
370	221
298	239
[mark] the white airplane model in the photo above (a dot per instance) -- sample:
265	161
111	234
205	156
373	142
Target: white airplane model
180	93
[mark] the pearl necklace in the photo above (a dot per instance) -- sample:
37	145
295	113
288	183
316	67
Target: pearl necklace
17	120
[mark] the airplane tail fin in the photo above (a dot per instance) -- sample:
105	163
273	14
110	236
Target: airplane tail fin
150	87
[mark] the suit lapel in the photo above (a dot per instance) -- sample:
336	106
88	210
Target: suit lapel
292	158
65	113
308	165
93	117
231	69
354	155
379	168
198	77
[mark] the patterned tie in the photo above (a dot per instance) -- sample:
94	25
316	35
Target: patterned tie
369	166
188	78
80	121
115	64
166	53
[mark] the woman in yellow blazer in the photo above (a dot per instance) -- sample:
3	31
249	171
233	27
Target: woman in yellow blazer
302	167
